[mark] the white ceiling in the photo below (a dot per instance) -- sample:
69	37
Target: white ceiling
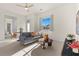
35	9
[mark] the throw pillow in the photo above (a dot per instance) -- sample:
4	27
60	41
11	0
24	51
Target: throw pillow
33	33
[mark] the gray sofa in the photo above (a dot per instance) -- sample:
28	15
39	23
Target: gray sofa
26	38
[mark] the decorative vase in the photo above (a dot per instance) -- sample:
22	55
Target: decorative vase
75	50
68	38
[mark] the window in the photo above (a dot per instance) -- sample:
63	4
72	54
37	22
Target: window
28	26
9	28
77	23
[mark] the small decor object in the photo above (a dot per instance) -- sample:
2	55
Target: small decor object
75	46
43	45
14	35
50	42
33	33
70	37
45	42
46	37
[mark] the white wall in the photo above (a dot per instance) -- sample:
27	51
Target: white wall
19	20
65	21
33	21
1	27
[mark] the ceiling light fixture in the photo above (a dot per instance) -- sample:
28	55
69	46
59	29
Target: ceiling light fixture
26	8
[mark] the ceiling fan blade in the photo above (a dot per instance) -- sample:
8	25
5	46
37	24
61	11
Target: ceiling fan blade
31	5
20	6
28	5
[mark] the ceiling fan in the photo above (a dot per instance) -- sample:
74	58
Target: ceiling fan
25	5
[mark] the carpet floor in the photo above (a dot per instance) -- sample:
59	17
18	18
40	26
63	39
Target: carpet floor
11	48
55	50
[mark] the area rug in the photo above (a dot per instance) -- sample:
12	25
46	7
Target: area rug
55	50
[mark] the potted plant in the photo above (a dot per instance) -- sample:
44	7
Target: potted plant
70	37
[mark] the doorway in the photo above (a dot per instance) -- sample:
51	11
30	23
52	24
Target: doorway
28	27
10	27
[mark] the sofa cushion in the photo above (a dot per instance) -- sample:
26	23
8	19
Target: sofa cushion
26	38
26	34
